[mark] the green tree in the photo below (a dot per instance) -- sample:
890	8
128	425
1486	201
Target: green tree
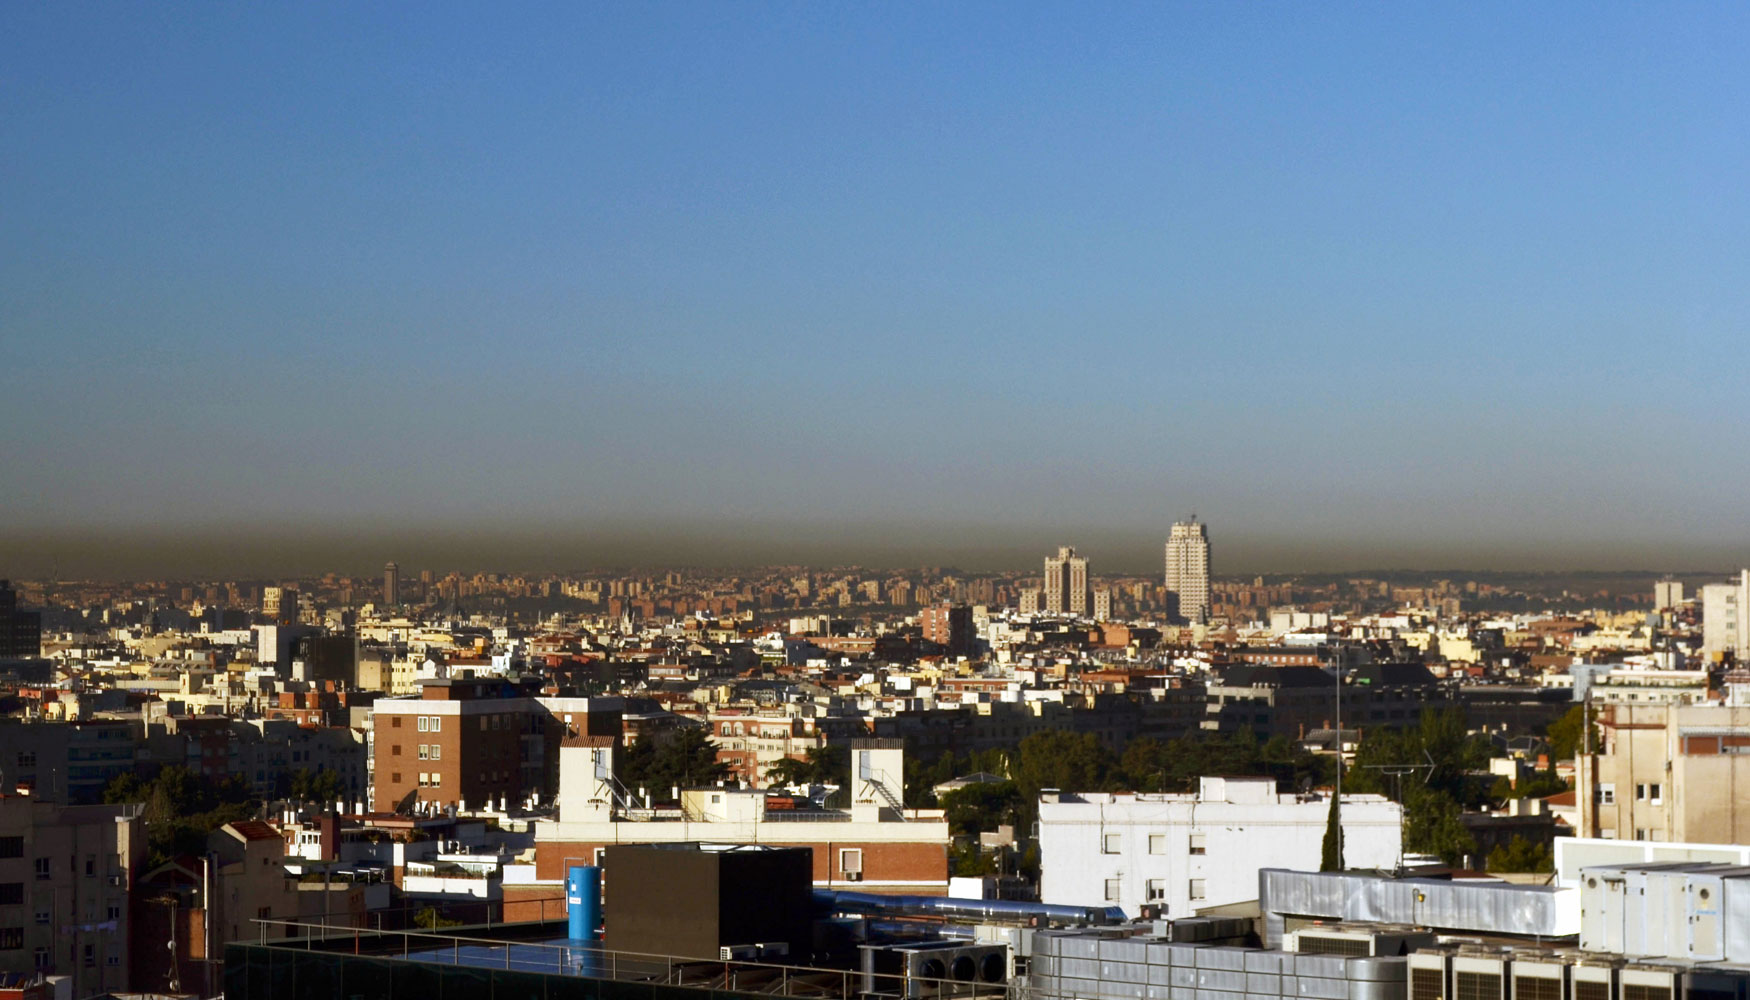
980	808
316	786
688	759
1432	825
1567	737
1520	855
969	861
1331	854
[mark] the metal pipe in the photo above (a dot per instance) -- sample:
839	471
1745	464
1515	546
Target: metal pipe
949	907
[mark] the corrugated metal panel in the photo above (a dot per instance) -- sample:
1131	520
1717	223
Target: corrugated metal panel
1124	950
1162	975
1322	989
1493	907
1079	968
1327	966
1183	976
1078	947
1268	961
1222	958
1159	993
1127	991
1184	954
1265	983
1124	972
1227	980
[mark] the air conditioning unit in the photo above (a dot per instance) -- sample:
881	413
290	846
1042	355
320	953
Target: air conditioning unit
1357	942
116	880
773	949
739	953
856	876
934	968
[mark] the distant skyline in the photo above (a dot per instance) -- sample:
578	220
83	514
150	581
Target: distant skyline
558	285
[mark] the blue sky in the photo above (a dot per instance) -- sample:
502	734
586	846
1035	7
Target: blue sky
1383	284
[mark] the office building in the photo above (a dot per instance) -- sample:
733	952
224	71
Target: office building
1187	852
949	626
1723	607
1667	594
391	585
1066	584
1188	569
20	631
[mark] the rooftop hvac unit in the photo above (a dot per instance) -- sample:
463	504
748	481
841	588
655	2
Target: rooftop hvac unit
1358	942
739	953
934	968
1593	979
1538	975
1651	982
1480	974
1429	974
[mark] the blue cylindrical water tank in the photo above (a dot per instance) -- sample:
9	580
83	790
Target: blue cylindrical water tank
583	901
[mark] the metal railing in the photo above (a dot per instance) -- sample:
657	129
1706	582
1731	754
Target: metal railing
595	962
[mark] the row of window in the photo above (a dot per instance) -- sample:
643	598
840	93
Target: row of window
1653	793
1155	889
1113	843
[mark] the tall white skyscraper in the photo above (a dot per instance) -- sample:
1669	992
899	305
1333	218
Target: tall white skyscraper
1066	583
1188	569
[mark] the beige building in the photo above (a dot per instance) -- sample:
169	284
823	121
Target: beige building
65	876
1066	583
1668	772
1187	575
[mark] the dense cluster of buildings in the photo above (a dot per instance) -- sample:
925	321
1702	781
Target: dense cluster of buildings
400	753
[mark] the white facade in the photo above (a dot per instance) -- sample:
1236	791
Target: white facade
1723	607
1188	569
1188	852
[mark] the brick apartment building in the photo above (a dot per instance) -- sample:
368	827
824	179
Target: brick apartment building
467	742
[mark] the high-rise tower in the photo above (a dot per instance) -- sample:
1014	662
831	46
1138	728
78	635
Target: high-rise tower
1188	569
391	585
1066	583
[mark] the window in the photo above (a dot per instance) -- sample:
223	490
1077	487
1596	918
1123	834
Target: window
1653	793
1157	843
42	958
436	723
435	779
1607	794
422	779
1114	887
112	960
422	724
11	847
600	854
27	758
44	917
422	752
11	938
113	913
851	860
1197	889
42	869
1111	843
436	752
1198	844
90	866
11	893
90	956
395	722
395	777
1157	889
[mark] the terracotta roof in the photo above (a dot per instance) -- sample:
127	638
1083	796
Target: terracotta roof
254	829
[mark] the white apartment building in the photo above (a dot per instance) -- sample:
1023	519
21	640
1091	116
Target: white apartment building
1188	569
1186	852
1723	607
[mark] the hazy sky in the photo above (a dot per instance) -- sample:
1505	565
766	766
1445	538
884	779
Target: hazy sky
1363	285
